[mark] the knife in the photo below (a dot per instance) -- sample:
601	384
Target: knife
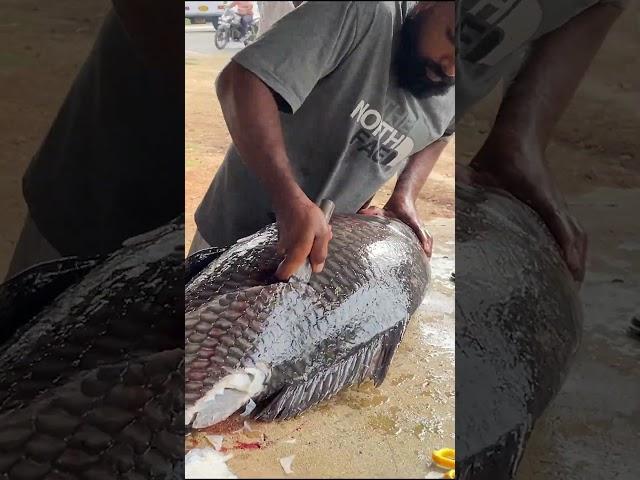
304	272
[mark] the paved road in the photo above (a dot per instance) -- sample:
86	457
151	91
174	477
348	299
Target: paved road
200	42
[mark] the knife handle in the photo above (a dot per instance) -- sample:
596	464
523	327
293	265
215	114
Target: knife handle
327	207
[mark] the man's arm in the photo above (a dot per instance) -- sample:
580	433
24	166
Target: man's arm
274	74
251	113
513	154
402	203
416	172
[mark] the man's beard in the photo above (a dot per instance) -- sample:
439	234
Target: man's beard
411	68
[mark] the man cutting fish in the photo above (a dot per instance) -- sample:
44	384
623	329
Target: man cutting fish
331	103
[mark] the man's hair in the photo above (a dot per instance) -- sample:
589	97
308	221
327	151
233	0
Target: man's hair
410	67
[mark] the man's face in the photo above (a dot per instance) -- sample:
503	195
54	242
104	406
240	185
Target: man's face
426	63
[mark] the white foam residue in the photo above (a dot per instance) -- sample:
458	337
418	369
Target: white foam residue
436	302
433	474
286	463
202	463
215	440
443	339
442	267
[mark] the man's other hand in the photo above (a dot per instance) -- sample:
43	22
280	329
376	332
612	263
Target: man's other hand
405	211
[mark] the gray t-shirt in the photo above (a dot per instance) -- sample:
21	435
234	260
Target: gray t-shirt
349	128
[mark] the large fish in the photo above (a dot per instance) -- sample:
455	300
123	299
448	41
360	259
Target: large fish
518	324
91	365
289	345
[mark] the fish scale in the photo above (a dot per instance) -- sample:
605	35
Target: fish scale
50	348
308	340
106	436
92	377
227	280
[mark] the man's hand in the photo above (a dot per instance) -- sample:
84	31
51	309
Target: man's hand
405	211
524	174
303	232
402	204
252	115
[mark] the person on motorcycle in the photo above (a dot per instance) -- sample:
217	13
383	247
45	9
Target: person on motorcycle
245	10
271	12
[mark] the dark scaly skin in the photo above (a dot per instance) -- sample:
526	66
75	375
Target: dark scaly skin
259	262
26	293
123	308
238	315
197	261
518	324
116	421
92	384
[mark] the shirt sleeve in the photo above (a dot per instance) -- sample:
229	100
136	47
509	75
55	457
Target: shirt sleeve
450	131
306	45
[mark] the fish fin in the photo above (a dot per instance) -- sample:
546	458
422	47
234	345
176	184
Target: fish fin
197	261
224	405
228	395
370	360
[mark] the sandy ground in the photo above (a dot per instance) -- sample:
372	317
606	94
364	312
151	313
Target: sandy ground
592	430
364	432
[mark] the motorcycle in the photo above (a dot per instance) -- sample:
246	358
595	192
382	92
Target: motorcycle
230	28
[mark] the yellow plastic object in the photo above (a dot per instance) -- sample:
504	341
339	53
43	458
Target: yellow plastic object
450	474
445	457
